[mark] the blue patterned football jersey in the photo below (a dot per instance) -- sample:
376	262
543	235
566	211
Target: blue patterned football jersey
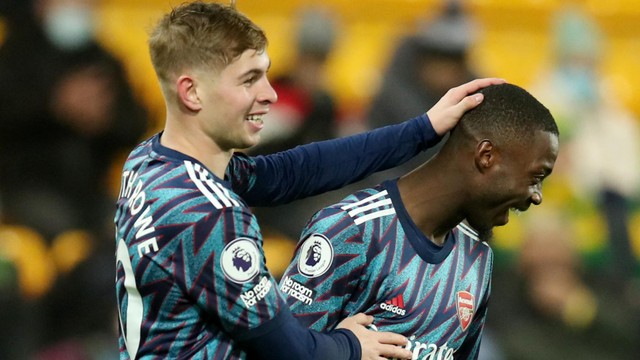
209	250
191	278
365	254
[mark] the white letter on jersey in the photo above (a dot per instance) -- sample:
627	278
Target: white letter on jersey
137	199
145	246
134	305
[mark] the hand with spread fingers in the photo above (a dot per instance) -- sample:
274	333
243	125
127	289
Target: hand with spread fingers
376	345
446	113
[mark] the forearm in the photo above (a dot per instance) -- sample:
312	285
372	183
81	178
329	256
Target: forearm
328	165
286	338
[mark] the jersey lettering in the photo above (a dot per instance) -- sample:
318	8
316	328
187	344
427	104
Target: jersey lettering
133	317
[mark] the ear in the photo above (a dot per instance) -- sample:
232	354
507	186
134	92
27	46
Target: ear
188	94
485	156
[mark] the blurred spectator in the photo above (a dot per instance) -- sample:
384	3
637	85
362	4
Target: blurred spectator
559	306
424	66
66	112
601	138
547	309
305	112
553	273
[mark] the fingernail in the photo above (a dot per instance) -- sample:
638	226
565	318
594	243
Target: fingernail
478	98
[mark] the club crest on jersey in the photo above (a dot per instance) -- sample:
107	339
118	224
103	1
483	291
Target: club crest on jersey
316	256
465	304
240	260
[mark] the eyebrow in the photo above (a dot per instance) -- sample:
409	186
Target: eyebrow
251	72
256	71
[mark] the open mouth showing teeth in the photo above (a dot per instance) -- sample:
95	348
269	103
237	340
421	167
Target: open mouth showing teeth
255	118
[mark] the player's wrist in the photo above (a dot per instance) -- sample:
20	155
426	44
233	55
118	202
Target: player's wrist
350	341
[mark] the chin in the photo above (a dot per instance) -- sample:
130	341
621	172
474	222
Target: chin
245	145
485	231
252	141
485	235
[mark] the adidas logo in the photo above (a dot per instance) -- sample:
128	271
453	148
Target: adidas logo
395	305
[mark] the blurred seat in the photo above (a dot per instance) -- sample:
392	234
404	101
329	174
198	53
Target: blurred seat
27	250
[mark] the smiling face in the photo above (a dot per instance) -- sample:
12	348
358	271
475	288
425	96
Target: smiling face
234	101
513	181
211	61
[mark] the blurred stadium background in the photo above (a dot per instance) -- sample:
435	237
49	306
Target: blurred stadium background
513	42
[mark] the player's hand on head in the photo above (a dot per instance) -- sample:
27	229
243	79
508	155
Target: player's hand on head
375	345
446	113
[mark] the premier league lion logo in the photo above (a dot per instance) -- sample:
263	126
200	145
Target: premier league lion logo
313	254
316	256
241	259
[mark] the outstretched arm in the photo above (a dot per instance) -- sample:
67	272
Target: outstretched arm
323	166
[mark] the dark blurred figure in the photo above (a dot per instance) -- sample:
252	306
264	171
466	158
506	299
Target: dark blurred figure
305	112
424	66
66	112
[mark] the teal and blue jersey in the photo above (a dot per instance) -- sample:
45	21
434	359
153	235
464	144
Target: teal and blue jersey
191	278
365	254
170	272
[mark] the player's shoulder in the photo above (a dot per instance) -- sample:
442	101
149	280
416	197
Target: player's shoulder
351	211
139	155
185	191
241	171
347	220
215	192
368	205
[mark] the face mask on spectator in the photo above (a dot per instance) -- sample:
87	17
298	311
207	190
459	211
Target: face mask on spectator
69	27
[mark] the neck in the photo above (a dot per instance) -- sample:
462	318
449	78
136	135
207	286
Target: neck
198	145
432	199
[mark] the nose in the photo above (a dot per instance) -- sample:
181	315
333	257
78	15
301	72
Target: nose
267	94
536	198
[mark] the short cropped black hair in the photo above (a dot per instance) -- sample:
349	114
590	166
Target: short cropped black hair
507	114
